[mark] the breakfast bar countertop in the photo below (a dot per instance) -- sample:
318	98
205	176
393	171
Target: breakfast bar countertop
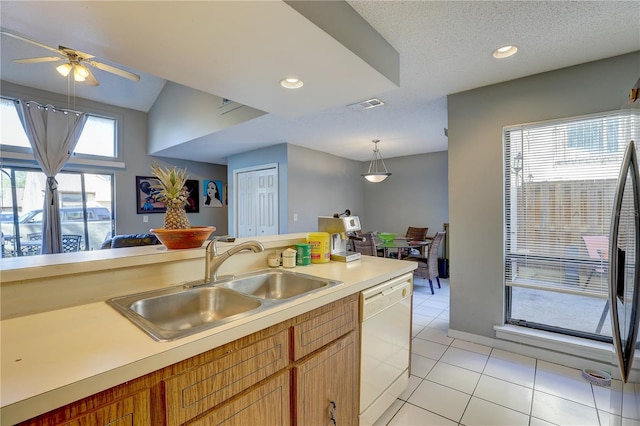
53	358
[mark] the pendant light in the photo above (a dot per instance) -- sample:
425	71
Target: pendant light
376	174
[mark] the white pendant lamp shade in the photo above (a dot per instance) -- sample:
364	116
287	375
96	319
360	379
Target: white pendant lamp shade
80	72
377	169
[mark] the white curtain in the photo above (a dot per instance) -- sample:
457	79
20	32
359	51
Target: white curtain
53	134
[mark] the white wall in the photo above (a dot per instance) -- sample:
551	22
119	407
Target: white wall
476	119
181	114
134	134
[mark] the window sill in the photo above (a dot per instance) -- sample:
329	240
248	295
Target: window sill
575	346
73	161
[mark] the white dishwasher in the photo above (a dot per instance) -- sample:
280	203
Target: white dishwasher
385	345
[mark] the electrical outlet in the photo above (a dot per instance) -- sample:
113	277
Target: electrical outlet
295	217
145	218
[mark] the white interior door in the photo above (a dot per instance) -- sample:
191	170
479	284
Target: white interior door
267	196
257	195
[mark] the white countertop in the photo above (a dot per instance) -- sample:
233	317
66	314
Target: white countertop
53	358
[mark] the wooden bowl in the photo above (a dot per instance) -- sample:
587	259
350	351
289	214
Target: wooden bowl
186	238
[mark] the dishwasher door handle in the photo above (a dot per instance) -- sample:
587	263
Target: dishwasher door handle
382	300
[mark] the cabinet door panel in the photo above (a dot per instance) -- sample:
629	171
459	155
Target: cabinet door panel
267	404
131	411
328	377
200	389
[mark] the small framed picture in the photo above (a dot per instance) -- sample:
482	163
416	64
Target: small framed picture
212	194
193	200
145	195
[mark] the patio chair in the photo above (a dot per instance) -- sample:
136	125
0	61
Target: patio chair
428	268
598	249
416	234
366	247
36	236
30	250
71	243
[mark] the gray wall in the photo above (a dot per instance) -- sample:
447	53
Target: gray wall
311	184
476	119
314	183
273	154
134	135
416	194
321	184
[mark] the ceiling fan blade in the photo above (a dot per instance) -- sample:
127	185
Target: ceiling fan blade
90	79
114	70
37	60
44	46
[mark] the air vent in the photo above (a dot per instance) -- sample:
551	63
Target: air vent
368	104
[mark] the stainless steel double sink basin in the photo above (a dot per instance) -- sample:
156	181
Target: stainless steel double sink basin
171	313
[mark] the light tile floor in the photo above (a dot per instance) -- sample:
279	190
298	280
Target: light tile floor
454	382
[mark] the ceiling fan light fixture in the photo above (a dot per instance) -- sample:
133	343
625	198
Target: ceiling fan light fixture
82	71
376	174
64	69
505	51
291	83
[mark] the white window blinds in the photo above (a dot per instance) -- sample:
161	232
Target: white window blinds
560	178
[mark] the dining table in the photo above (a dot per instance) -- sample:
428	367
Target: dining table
400	244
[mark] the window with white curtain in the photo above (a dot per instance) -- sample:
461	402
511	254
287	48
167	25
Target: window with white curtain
98	139
560	178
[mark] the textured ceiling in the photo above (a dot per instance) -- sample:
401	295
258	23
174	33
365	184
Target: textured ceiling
444	47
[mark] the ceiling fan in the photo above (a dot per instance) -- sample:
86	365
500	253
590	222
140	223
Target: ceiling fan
74	61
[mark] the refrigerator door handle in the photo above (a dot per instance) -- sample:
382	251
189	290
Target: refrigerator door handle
624	352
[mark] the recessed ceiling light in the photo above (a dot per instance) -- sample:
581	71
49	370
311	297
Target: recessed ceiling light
505	51
291	83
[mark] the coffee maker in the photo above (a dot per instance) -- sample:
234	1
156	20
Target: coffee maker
340	229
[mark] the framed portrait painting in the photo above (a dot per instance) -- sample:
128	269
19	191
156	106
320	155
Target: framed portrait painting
212	194
193	200
144	195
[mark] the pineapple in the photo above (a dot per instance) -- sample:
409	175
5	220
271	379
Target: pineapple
173	193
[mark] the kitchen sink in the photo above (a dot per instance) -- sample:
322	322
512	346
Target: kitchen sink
169	314
277	284
172	313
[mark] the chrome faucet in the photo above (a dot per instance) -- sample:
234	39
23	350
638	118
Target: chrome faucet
213	260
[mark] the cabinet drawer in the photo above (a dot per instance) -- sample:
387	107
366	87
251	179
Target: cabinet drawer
201	388
324	328
266	404
133	409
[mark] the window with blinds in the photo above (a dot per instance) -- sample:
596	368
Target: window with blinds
560	177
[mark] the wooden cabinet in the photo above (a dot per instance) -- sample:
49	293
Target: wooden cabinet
326	385
285	374
324	325
325	378
203	387
101	410
266	404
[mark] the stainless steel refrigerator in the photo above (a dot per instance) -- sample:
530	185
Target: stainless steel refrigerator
624	291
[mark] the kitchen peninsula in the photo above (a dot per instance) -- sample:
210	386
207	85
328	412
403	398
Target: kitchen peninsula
61	342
